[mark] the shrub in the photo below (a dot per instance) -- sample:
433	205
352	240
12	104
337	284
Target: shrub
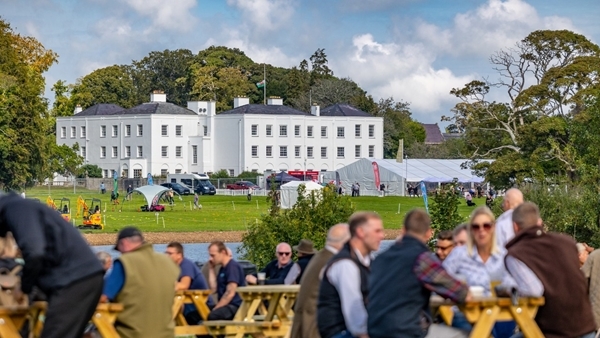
444	209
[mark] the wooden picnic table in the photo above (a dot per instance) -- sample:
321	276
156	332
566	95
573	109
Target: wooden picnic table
484	312
196	297
104	318
274	320
12	320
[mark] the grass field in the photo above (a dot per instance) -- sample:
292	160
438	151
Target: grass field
219	213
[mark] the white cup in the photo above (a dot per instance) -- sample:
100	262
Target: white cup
477	291
261	276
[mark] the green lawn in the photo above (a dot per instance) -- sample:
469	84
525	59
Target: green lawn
219	213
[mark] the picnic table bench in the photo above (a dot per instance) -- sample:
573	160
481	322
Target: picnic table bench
196	297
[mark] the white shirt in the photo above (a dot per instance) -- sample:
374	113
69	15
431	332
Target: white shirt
344	275
528	284
504	228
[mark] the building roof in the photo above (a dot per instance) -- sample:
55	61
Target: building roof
157	108
343	110
264	110
442	170
433	134
101	109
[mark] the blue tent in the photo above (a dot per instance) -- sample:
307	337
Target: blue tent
280	179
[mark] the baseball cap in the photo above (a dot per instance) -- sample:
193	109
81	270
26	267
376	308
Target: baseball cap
127	232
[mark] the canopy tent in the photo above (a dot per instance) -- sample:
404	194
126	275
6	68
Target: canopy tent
152	193
289	192
362	172
281	178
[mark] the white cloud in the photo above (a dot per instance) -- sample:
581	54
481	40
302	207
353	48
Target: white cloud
265	15
402	71
372	5
172	15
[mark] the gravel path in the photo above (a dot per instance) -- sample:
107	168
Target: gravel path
190	237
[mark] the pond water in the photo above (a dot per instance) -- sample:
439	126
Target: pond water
198	252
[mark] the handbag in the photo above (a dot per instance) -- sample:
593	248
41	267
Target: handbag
9	282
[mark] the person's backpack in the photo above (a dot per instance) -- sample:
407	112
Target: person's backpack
9	282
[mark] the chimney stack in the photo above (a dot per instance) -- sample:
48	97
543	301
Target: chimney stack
315	110
275	101
78	109
158	96
240	101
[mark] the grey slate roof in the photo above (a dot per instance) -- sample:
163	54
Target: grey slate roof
101	109
433	134
264	110
157	108
343	110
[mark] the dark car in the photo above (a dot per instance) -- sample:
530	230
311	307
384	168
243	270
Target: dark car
204	187
178	188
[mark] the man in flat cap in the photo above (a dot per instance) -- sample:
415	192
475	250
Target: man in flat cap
144	282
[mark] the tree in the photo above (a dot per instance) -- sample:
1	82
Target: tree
220	174
320	69
328	92
112	84
309	218
221	85
397	124
63	105
89	170
65	160
24	145
449	149
444	209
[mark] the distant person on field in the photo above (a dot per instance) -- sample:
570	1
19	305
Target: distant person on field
129	192
102	188
225	283
196	199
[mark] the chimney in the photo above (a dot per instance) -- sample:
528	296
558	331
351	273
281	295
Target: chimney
315	110
240	101
78	109
158	96
275	101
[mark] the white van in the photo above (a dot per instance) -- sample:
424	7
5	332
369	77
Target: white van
197	182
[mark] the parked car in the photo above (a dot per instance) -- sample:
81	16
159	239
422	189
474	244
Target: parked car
178	188
242	185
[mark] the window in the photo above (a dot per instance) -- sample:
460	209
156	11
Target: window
164	130
178	151
371	130
282	130
73	132
309	131
323	131
115	131
127	130
340	152
140	151
63	132
296	130
323	152
164	151
340	132
164	172
255	130
178	130
115	152
297	151
231	172
254	151
127	151
137	173
269	151
83	152
102	152
269	130
309	152
371	151
83	132
102	131
178	171
105	173
125	173
205	128
140	130
357	151
357	130
282	151
194	154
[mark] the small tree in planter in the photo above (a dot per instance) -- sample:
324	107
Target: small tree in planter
444	210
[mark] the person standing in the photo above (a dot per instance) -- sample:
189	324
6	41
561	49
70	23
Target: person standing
196	199
102	188
144	282
225	283
504	225
409	272
57	260
305	320
341	310
129	192
567	311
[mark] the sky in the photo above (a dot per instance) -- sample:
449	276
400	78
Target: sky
412	50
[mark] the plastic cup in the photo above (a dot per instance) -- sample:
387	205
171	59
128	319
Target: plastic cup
477	291
261	278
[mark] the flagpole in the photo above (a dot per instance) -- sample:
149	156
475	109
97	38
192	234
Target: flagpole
265	82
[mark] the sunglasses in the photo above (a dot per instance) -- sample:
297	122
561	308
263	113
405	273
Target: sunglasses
477	227
284	253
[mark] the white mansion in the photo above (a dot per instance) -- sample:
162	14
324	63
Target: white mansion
159	137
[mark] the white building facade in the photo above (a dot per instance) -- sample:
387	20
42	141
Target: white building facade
160	137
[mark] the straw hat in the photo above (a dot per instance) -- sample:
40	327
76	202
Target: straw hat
305	246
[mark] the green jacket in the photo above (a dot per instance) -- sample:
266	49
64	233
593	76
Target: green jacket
147	295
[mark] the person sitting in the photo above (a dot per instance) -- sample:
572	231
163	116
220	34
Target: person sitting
444	244
97	210
469	199
305	252
225	282
65	209
278	271
489	201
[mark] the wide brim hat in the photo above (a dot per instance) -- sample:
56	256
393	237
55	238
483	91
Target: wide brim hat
305	246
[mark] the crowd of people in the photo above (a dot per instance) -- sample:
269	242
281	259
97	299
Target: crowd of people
345	291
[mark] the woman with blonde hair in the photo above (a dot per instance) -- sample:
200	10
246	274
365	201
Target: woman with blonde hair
480	262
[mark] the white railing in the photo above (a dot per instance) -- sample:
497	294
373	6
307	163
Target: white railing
242	192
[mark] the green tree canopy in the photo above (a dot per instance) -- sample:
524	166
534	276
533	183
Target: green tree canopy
112	84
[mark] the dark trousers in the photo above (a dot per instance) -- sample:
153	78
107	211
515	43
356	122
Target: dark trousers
70	308
226	312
